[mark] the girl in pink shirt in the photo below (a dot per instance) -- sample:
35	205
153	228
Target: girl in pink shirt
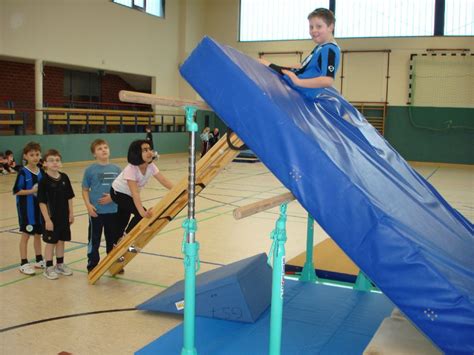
125	191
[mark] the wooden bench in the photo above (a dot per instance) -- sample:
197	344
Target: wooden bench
55	116
11	121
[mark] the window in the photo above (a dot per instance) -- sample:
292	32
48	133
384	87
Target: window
459	18
152	7
384	18
270	20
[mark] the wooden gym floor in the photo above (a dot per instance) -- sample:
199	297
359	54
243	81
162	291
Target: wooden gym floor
100	319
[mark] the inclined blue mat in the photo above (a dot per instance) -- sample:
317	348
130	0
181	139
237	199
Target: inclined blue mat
389	220
317	319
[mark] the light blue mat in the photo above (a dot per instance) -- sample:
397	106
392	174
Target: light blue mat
317	319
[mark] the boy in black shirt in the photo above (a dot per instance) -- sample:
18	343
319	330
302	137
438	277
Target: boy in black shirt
55	196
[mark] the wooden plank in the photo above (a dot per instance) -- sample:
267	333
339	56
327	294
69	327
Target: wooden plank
142	98
260	206
12	122
85	110
167	209
7	112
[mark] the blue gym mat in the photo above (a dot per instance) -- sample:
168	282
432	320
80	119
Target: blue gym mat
317	319
387	218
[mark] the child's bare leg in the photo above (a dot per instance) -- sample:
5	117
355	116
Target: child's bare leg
37	245
60	249
24	246
48	252
25	267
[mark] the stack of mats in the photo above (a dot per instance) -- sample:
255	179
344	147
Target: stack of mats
390	221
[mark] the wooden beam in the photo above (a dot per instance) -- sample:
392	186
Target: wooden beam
167	208
263	205
141	98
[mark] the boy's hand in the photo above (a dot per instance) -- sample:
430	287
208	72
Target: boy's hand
71	218
34	189
49	225
91	210
291	75
104	200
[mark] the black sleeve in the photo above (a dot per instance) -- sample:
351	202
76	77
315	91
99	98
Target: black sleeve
69	190
278	69
42	195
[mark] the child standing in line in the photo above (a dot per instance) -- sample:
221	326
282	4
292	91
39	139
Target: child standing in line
55	196
318	70
205	135
29	215
96	185
126	188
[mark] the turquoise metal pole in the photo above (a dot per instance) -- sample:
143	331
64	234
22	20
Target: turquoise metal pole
277	252
190	247
362	282
308	273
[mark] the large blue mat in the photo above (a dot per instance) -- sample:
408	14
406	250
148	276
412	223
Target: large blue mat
386	217
317	319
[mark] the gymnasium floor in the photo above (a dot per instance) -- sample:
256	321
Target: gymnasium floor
112	326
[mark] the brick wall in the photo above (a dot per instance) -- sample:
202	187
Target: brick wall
17	84
111	85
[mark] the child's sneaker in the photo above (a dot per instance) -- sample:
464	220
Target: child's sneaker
63	269
50	273
40	264
27	269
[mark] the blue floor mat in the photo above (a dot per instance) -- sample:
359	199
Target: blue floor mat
317	319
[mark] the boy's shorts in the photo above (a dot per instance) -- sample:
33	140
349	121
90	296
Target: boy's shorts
31	229
52	237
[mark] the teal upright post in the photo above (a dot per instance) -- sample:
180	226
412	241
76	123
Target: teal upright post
362	282
277	253
308	273
190	247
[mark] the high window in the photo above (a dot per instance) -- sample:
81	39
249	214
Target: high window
152	7
269	20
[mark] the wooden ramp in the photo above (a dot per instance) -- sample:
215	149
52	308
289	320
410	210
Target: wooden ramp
169	206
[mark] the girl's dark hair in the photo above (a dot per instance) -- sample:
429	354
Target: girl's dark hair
325	14
134	155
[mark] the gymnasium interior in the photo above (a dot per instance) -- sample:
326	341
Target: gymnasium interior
339	225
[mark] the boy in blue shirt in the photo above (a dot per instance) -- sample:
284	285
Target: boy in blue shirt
29	215
102	210
318	70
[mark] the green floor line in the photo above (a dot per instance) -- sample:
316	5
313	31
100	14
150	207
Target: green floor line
17	280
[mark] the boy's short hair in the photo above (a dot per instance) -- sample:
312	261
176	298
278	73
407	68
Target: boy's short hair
134	155
52	153
31	146
96	143
325	14
8	152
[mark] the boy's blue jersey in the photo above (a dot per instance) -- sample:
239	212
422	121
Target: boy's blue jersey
27	205
323	61
98	179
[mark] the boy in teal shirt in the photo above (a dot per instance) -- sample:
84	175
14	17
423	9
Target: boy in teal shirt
102	210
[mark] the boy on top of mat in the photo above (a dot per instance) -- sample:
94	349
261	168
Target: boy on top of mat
102	211
29	215
318	70
55	196
125	191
